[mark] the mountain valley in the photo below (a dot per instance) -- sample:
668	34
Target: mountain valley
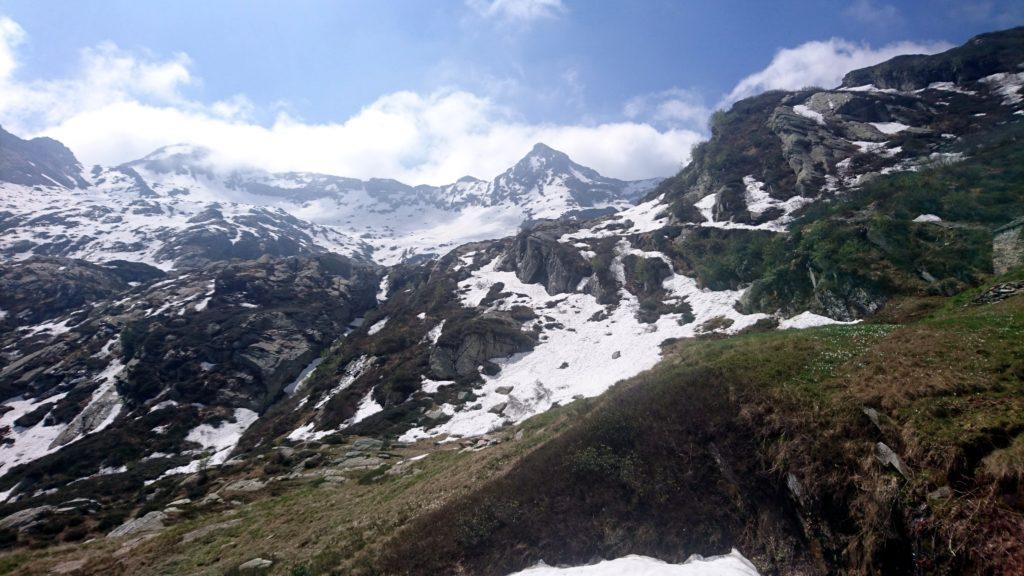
795	356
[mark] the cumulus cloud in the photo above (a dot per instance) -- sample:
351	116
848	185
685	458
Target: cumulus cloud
823	63
523	11
121	105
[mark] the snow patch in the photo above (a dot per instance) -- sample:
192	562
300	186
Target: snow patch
808	113
353	370
367	407
377	326
889	127
303	376
435	333
809	320
217	441
732	564
1007	85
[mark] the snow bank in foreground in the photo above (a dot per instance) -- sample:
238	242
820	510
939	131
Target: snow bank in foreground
732	564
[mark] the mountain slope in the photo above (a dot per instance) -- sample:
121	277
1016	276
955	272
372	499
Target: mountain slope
582	389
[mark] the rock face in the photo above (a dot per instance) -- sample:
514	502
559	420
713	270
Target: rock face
38	162
773	156
461	352
263	321
37	289
182	363
537	257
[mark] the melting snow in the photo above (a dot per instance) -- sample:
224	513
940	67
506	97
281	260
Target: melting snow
27	444
1007	85
435	333
808	113
217	441
598	353
732	564
645	217
377	326
758	201
809	320
431	386
367	407
889	127
927	218
382	291
352	372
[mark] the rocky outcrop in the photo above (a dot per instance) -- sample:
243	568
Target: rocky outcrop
981	56
38	162
537	257
38	289
151	522
460	352
159	368
258	324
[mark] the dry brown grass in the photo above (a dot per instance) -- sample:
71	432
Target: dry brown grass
323	527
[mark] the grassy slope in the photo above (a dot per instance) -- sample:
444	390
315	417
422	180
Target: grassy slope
692	456
308	526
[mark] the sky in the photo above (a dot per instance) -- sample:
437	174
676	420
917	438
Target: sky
429	91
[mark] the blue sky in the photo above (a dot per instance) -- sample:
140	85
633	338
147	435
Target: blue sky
454	86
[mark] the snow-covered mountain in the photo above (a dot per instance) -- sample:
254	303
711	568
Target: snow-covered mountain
176	207
254	363
397	220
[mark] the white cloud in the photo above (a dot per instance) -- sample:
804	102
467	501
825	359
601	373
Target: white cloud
822	63
106	74
10	36
675	108
874	14
518	10
415	138
120	106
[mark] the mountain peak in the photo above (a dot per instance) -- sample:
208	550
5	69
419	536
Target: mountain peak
542	157
542	150
39	161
